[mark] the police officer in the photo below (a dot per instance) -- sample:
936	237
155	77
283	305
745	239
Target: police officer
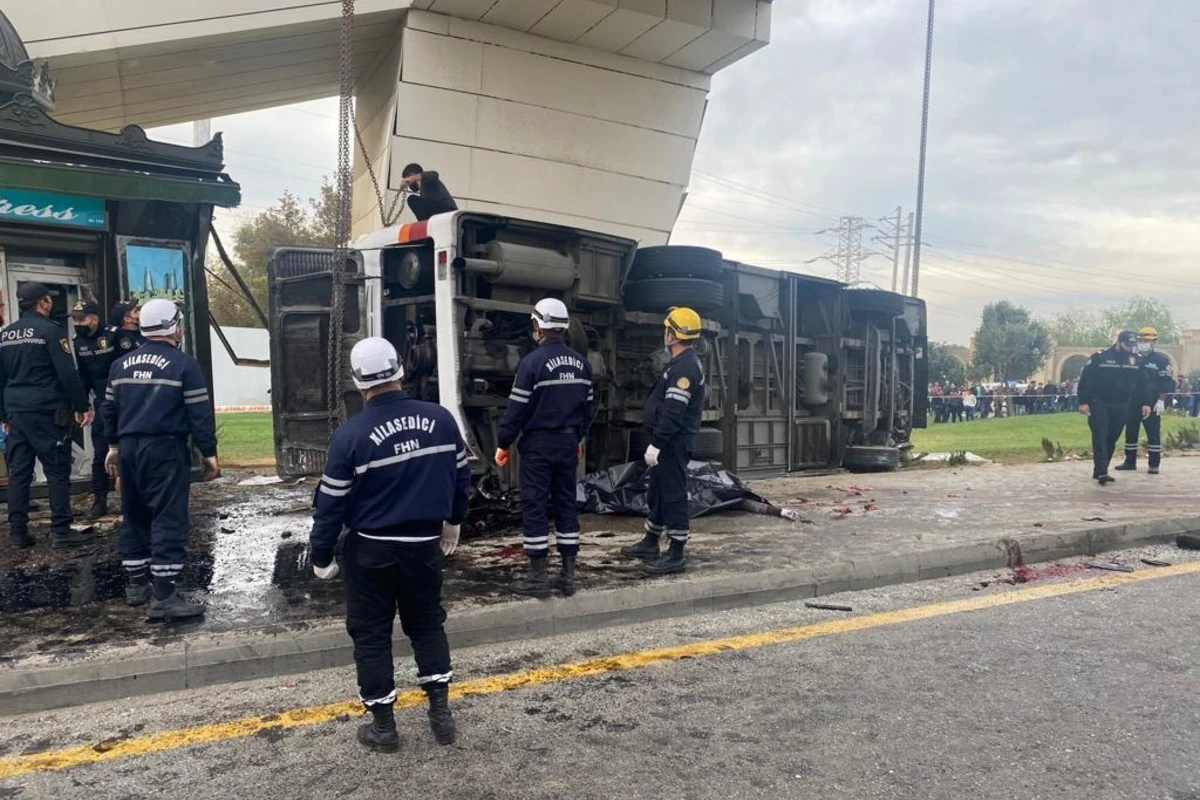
1111	382
156	397
95	352
397	477
550	408
672	417
1159	383
124	319
41	398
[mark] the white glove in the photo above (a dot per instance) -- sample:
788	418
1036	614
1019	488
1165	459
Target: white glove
1160	407
450	534
111	461
652	456
327	573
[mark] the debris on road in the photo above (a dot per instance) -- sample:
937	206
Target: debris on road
826	606
1156	562
1109	566
261	480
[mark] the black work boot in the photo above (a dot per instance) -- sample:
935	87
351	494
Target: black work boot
99	507
535	584
670	563
646	549
566	577
137	592
1105	480
70	539
169	604
23	540
380	733
1127	466
441	721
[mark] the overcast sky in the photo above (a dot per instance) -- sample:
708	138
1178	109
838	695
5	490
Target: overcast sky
1063	165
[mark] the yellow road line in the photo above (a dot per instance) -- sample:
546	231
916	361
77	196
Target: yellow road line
249	726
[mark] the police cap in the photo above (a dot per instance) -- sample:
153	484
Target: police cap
1127	337
117	317
30	293
85	308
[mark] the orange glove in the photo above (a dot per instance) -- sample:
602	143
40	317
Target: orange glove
501	457
579	451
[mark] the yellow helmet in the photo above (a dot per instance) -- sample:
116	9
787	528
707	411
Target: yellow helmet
1148	334
683	322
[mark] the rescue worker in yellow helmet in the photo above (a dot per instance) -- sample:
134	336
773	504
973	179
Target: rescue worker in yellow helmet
1159	383
672	418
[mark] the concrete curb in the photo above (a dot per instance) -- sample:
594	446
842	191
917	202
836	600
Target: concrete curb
216	659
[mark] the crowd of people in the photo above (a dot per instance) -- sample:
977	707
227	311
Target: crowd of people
955	403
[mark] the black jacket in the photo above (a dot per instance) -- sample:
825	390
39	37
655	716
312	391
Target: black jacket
127	340
1159	380
37	373
95	355
435	194
1112	377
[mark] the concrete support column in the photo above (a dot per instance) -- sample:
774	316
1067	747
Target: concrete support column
584	114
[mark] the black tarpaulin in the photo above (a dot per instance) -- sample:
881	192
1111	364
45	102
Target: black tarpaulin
622	490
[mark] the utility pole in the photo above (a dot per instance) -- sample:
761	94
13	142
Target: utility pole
847	256
908	251
892	239
916	260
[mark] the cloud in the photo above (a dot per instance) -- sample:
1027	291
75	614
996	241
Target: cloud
1062	166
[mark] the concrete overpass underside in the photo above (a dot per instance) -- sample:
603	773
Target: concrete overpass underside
584	112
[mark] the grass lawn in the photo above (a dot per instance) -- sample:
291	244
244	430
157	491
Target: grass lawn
245	439
1018	439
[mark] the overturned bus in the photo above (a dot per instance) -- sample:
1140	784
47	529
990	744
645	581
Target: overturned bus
803	372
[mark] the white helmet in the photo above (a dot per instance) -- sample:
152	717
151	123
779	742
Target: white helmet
374	362
550	314
159	317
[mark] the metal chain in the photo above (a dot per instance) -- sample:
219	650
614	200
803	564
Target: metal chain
341	253
389	217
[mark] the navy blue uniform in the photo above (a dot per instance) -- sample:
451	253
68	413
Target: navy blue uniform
95	356
1160	382
156	397
126	340
672	418
395	472
551	409
39	392
1110	384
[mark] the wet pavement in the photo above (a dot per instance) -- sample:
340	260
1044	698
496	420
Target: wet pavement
247	546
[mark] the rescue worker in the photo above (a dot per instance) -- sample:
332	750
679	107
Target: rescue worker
430	196
156	398
124	320
1111	382
1159	383
41	399
397	477
672	418
95	352
550	409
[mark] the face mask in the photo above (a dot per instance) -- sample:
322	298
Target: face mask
83	330
1143	347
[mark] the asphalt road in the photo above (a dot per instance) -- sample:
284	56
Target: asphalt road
1089	694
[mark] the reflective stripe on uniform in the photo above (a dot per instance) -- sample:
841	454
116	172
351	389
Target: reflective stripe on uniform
147	382
418	453
563	382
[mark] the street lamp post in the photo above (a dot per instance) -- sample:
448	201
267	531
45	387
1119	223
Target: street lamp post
919	219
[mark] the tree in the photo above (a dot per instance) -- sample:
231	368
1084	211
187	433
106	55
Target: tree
945	367
1076	328
287	222
1091	328
1010	344
1140	312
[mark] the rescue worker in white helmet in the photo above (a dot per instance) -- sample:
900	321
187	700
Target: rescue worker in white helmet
155	398
672	418
550	409
1156	368
397	476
